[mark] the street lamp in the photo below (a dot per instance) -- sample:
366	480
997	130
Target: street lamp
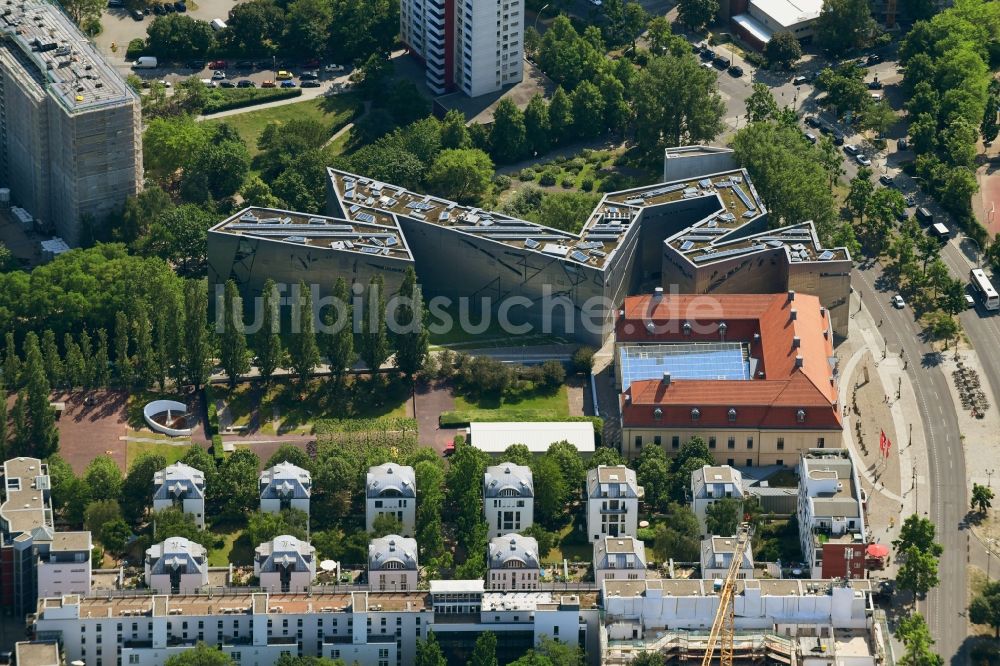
989	555
539	14
989	473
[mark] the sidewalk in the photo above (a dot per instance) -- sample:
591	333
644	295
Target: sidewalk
892	484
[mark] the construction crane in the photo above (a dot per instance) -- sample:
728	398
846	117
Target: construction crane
723	627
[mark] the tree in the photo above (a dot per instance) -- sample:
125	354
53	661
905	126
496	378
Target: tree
83	11
236	484
723	517
197	360
990	127
3	420
267	340
919	533
374	348
178	36
560	115
21	443
860	192
606	455
551	491
912	630
254	27
145	360
308	26
429	652
100	512
536	125
43	435
761	105
454	133
337	338
485	652
653	474
545	539
877	117
844	24
115	536
919	571
136	496
648	659
263	527
462	175
985	607
123	361
783	50
696	14
679	536
217	171
519	454
844	87
981	496
302	349
508	136
430	479
588	110
200	655
565	210
104	478
411	333
233	352
676	103
53	362
11	361
385	524
634	21
565	455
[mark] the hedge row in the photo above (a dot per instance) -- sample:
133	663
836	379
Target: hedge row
225	99
383	424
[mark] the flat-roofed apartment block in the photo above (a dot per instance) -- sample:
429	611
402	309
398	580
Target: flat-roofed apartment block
180	486
703	234
368	628
285	486
717	556
176	566
712	483
33	556
37	653
619	558
513	563
753	376
831	515
70	129
820	622
613	495
285	564
391	489
392	564
508	498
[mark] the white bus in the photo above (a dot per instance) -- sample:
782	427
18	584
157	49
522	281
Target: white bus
985	289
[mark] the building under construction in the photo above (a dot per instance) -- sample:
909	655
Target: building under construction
70	130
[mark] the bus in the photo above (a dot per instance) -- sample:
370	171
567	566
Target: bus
985	289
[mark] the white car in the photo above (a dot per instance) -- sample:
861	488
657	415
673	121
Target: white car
596	3
970	302
863	161
333	69
218	75
898	302
876	97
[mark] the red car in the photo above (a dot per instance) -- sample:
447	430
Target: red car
311	63
218	64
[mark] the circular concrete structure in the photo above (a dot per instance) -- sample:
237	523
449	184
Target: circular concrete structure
164	415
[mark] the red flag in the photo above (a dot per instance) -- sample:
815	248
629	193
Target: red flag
884	444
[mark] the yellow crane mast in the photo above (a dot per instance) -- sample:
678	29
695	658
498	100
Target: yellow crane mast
723	627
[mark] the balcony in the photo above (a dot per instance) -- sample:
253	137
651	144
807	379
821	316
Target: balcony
620	509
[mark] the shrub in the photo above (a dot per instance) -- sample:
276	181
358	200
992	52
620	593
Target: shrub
224	99
587	184
217	447
526	175
213	417
135	48
501	181
548	178
583	359
567	181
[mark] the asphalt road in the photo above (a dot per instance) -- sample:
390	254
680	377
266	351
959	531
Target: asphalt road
943	608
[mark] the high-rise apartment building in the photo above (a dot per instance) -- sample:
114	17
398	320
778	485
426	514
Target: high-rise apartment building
70	129
474	46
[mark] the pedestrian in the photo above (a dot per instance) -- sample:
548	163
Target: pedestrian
880	321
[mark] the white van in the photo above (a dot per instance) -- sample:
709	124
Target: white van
218	24
144	62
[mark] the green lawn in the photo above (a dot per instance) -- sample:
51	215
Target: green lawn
236	548
534	406
571	544
172	452
334	112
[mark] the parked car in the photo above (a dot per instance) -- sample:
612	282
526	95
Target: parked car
218	75
137	15
838	138
308	76
970	302
333	69
813	121
283	75
267	84
851	149
180	7
876	97
706	65
312	63
218	64
873	59
736	71
168	8
898	302
196	64
157	9
721	62
863	160
875	85
208	83
288	84
116	4
245	83
902	144
227	84
707	55
887	180
810	137
310	84
799	80
145	62
244	64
